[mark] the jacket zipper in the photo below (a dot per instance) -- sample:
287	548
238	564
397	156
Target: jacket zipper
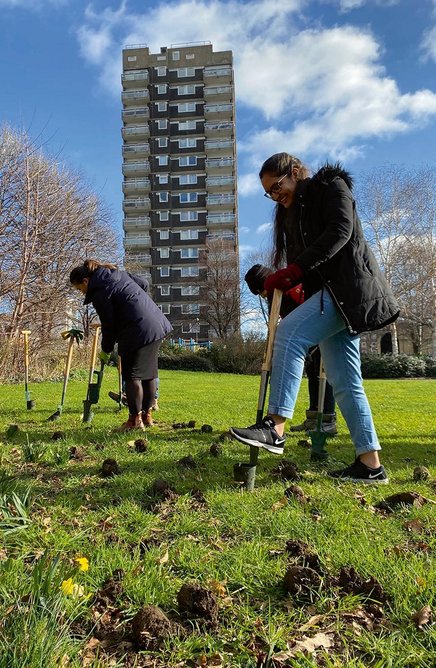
323	282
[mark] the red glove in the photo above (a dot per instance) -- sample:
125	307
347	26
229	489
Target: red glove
283	279
296	294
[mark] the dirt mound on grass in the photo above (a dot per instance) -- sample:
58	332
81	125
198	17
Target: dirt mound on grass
195	601
150	627
303	583
303	554
352	583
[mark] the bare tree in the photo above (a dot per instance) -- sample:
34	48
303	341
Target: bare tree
397	206
222	296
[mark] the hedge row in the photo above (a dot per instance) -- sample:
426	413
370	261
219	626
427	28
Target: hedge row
244	356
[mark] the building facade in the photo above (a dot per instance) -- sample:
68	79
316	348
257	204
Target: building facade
179	169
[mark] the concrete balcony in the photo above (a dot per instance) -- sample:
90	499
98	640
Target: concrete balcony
135	97
136	150
216	93
218	111
222	236
143	259
136	186
217	201
217	183
220	165
139	241
221	219
218	146
136	204
135	115
136	132
134	79
136	168
137	223
217	128
218	74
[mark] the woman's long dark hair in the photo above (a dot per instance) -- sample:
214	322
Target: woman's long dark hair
86	269
278	165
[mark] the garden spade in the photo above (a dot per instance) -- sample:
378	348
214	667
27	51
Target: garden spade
243	472
74	335
30	403
93	393
318	437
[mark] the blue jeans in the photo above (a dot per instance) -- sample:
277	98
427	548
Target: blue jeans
304	327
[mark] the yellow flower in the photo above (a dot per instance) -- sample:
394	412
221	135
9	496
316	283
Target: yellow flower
83	563
67	586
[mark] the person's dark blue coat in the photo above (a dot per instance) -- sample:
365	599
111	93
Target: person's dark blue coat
127	313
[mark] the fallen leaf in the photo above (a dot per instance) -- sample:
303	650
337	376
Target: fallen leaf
164	558
422	617
421	582
306	646
281	503
415	526
313	621
218	588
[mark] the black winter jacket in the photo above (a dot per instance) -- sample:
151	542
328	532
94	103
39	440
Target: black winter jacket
127	314
335	254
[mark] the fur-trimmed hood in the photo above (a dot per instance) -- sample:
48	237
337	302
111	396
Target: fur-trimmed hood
330	171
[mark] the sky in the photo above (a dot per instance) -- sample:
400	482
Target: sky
348	80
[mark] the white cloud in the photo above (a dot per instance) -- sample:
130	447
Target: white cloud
429	44
316	91
31	4
248	184
265	227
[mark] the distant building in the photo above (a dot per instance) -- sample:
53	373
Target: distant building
179	167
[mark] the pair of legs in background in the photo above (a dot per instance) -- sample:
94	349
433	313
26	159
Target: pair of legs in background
139	372
318	321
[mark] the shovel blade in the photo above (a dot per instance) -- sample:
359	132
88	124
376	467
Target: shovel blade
318	451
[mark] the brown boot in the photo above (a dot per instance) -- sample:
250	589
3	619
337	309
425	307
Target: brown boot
134	422
147	418
155	406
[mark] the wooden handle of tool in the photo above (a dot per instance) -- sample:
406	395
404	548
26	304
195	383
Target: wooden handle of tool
25	333
272	326
69	358
94	351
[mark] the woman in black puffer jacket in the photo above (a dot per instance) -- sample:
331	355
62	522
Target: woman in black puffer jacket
130	318
319	236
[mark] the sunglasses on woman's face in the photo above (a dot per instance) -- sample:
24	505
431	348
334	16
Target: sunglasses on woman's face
275	188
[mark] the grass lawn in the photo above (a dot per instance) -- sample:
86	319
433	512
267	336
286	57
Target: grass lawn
143	547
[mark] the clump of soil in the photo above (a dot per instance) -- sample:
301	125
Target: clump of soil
77	453
303	583
141	445
206	429
198	496
191	424
162	489
295	492
187	462
99	446
286	470
57	435
352	583
109	468
150	627
225	436
195	601
421	473
215	449
111	589
12	430
403	498
303	554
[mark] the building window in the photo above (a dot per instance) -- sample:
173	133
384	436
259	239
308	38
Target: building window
191	308
186	72
131	59
162	124
190	56
190	290
189	271
185	235
164	290
185	198
186	216
185	107
187	179
162	160
164	253
161	89
162	142
164	234
163	197
164	216
165	308
188	142
186	90
161	71
188	161
189	253
162	179
164	271
176	55
161	58
187	125
161	106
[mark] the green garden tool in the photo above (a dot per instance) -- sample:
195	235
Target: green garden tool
30	403
318	437
93	393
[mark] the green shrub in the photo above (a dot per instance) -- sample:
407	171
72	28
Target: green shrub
390	366
430	367
185	361
238	354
